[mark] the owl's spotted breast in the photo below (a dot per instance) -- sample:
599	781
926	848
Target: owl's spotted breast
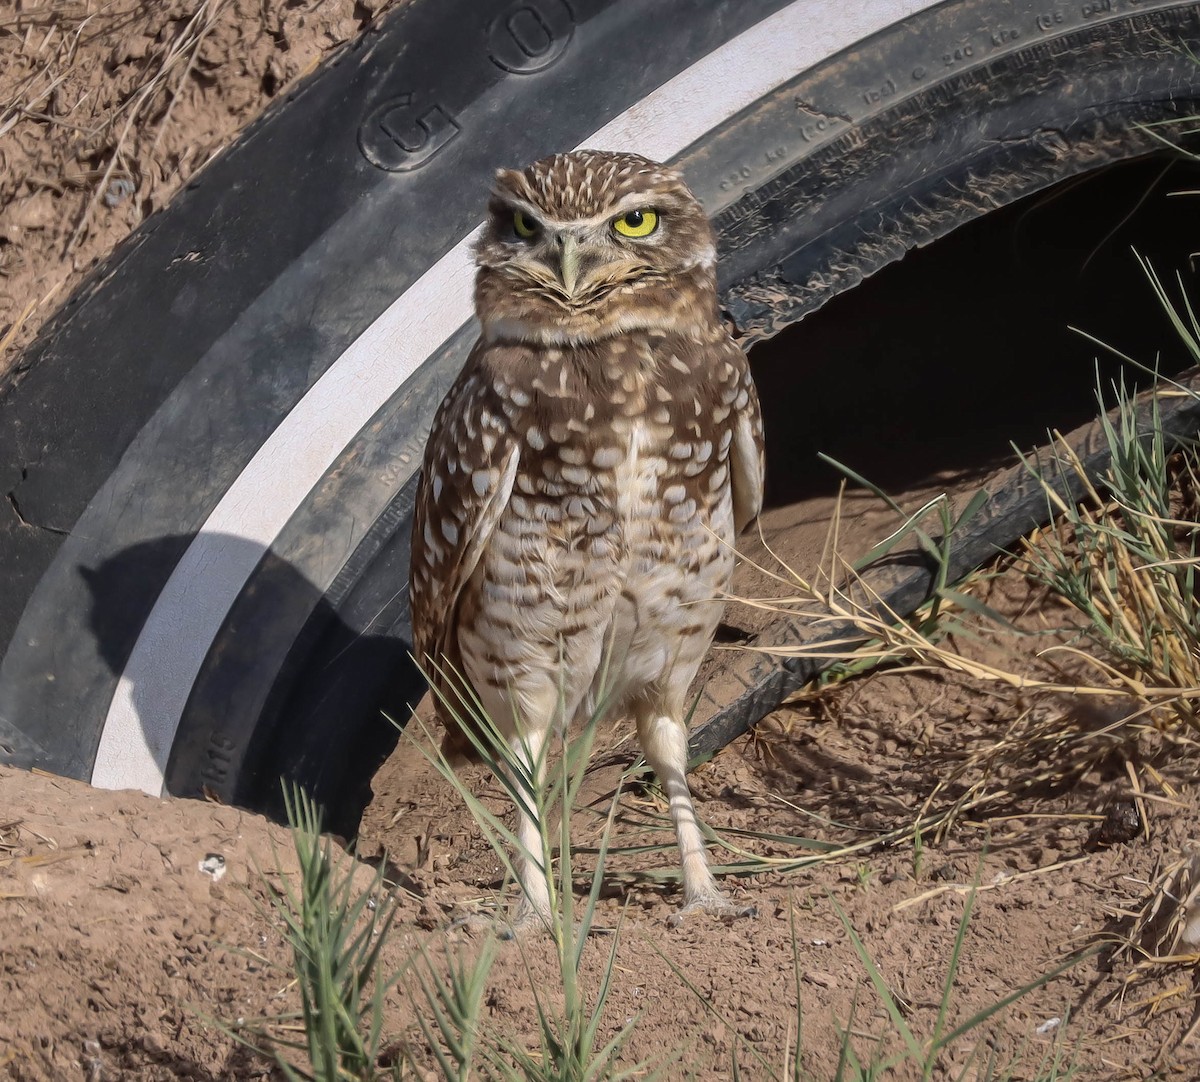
617	537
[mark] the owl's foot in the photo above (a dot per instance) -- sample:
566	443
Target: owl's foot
478	922
715	904
524	921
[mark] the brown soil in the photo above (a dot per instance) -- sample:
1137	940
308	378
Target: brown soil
106	110
119	950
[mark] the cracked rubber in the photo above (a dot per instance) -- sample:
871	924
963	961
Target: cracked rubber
161	378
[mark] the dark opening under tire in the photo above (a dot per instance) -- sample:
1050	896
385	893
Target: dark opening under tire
209	454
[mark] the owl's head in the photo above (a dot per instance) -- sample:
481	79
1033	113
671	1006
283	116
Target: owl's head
588	244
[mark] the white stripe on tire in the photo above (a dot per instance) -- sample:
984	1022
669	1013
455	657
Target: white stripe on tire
152	691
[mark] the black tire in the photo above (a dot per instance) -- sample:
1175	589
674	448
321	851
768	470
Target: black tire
200	381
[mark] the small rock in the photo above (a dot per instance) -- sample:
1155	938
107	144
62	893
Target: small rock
821	980
213	865
119	189
1122	823
130	48
38	211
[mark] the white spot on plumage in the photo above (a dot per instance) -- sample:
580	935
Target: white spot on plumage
682	512
434	547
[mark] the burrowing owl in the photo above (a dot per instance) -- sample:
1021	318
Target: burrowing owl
587	474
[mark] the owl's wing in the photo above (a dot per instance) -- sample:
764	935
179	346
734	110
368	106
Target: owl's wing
747	460
467	478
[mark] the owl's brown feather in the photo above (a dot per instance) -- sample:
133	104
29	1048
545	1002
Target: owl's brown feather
470	467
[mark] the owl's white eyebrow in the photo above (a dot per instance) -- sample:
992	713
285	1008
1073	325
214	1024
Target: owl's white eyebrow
633	201
515	204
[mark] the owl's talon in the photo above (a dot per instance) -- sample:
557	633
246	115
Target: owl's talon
525	921
501	926
475	922
716	906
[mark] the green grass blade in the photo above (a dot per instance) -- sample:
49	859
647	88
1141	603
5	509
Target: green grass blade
881	988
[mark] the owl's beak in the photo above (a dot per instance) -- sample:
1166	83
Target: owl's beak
568	258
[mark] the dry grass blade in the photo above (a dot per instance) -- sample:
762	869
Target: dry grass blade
174	62
884	638
1002	880
1165	930
52	34
1162	936
10	335
10	835
37	860
1058	739
1048	748
1125	559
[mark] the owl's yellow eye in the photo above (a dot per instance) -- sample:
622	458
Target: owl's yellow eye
524	227
636	223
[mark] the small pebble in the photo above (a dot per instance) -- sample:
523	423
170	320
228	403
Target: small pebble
119	189
212	865
1122	823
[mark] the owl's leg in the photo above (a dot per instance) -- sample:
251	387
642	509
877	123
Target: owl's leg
520	707
664	742
534	905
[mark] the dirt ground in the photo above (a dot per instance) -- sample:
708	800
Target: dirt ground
120	949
